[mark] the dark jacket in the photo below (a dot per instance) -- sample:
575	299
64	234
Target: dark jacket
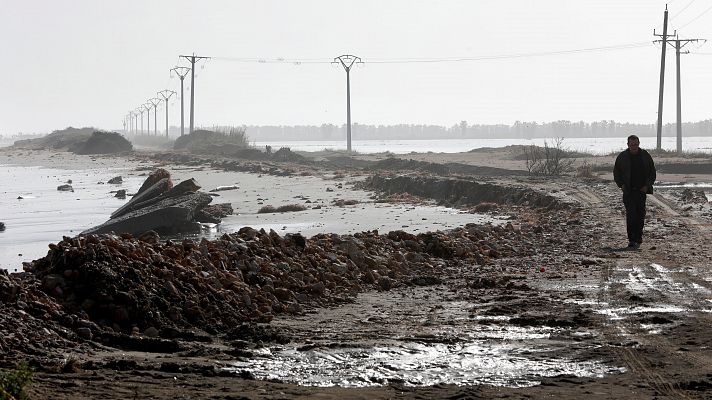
621	170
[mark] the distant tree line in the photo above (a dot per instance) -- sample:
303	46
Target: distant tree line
463	130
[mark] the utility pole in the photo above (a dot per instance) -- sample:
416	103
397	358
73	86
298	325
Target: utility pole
155	101
192	86
678	44
662	78
134	121
347	61
181	72
141	110
166	94
147	106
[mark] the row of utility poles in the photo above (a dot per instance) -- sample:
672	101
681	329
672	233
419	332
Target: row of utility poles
131	120
678	44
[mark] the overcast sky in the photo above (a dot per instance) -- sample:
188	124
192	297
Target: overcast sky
89	62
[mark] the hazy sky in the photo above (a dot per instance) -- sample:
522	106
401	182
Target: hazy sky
89	62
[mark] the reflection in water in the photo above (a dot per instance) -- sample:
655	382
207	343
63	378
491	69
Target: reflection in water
517	357
419	364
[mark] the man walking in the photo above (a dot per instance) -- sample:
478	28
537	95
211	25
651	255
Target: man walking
634	173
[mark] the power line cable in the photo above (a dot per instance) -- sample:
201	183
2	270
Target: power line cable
681	11
299	61
508	56
697	17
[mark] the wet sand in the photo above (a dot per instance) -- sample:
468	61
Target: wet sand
566	314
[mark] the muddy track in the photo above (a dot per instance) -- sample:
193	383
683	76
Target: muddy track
674	295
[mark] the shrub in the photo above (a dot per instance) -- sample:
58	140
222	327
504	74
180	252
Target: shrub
585	171
13	382
550	160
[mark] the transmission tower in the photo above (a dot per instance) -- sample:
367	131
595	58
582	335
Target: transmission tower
166	94
181	72
192	60
347	61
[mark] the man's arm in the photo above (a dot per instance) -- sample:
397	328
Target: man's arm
652	176
618	172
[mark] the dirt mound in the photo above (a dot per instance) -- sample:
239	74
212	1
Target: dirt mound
411	165
104	143
66	139
284	154
461	192
210	142
79	141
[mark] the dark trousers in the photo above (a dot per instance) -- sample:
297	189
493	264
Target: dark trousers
634	201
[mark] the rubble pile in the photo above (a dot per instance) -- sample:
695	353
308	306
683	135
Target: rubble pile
461	192
126	284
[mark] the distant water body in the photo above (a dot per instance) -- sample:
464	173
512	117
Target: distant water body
597	146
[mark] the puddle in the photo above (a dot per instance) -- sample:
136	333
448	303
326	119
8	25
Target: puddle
705	187
456	347
500	363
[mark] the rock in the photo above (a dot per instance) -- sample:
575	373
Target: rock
84	333
115	180
2	226
149	237
151	332
120	194
144	196
155	177
214	213
171	215
163	208
65	188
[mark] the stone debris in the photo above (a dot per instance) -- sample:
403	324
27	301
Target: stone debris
115	180
119	284
65	188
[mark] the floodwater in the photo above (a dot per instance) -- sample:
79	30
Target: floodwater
451	346
704	186
36	214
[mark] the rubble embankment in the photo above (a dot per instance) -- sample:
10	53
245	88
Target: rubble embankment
460	192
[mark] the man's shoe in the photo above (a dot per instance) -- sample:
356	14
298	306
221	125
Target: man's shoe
636	245
632	246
